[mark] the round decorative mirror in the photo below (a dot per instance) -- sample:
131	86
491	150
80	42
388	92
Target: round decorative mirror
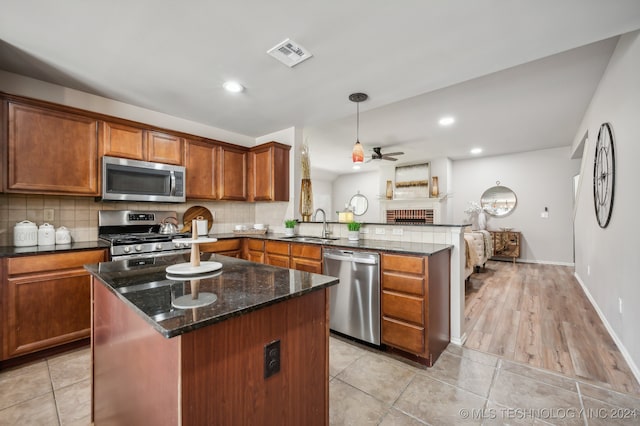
498	200
359	204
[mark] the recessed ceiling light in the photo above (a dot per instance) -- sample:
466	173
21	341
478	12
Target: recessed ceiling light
476	151
447	121
233	86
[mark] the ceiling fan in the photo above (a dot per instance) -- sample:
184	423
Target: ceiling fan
378	155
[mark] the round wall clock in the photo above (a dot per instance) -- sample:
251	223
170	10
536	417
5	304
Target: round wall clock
604	175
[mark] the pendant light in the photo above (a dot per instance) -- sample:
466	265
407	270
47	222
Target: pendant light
357	155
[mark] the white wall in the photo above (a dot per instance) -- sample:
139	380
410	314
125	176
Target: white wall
323	196
346	186
540	179
607	259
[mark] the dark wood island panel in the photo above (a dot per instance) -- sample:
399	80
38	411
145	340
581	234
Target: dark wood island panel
215	374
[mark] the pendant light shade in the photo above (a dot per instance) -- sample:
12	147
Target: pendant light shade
357	155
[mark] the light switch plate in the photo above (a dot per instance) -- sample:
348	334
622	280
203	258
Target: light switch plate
379	231
397	231
544	215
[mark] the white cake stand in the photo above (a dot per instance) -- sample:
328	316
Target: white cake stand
194	267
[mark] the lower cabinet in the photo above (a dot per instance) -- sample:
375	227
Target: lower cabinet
277	253
255	250
306	257
231	247
45	301
415	304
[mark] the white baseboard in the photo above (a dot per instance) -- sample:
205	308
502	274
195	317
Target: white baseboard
542	262
623	350
459	341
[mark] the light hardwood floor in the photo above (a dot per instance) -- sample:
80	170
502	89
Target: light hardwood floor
539	315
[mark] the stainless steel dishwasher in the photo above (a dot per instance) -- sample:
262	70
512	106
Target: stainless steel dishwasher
355	301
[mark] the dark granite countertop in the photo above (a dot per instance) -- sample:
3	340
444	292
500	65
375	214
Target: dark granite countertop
423	249
11	251
240	286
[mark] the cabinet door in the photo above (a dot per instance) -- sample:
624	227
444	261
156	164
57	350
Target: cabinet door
277	253
51	152
306	257
47	310
232	174
269	172
200	159
232	245
123	141
164	148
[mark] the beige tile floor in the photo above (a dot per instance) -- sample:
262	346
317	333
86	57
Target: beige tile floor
366	387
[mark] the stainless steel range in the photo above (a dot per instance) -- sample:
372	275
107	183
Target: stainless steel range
135	234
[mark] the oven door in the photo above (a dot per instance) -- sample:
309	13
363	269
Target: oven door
133	180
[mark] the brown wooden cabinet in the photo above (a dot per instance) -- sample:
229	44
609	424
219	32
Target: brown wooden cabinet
51	151
229	247
277	253
164	148
200	162
123	141
268	174
506	244
255	250
415	304
306	257
45	301
232	173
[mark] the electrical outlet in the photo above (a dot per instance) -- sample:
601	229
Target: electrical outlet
397	231
364	231
379	231
271	358
49	215
620	304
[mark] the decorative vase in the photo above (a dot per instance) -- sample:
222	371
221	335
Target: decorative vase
306	200
482	221
389	193
353	235
290	232
434	186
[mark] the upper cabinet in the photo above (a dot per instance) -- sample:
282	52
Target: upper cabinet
200	160
123	141
232	173
56	150
51	151
136	143
269	172
164	148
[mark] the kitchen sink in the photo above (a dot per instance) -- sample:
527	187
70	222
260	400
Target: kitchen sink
317	240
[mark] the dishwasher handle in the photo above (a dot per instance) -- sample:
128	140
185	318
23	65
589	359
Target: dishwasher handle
350	258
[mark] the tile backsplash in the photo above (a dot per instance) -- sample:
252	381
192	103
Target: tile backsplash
80	214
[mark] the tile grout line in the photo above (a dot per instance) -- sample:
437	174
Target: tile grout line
584	412
53	393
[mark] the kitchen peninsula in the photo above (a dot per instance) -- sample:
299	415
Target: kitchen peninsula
256	355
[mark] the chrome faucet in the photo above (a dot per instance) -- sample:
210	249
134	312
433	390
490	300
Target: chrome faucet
325	230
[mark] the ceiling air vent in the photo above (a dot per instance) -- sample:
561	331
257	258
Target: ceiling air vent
289	53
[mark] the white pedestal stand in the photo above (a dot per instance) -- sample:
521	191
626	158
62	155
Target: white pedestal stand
192	271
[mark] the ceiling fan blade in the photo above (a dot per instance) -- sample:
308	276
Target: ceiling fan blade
393	153
384	157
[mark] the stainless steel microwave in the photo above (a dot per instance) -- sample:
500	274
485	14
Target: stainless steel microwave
133	180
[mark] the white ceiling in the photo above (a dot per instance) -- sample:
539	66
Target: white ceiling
505	68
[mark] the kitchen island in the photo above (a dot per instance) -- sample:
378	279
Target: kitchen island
258	354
